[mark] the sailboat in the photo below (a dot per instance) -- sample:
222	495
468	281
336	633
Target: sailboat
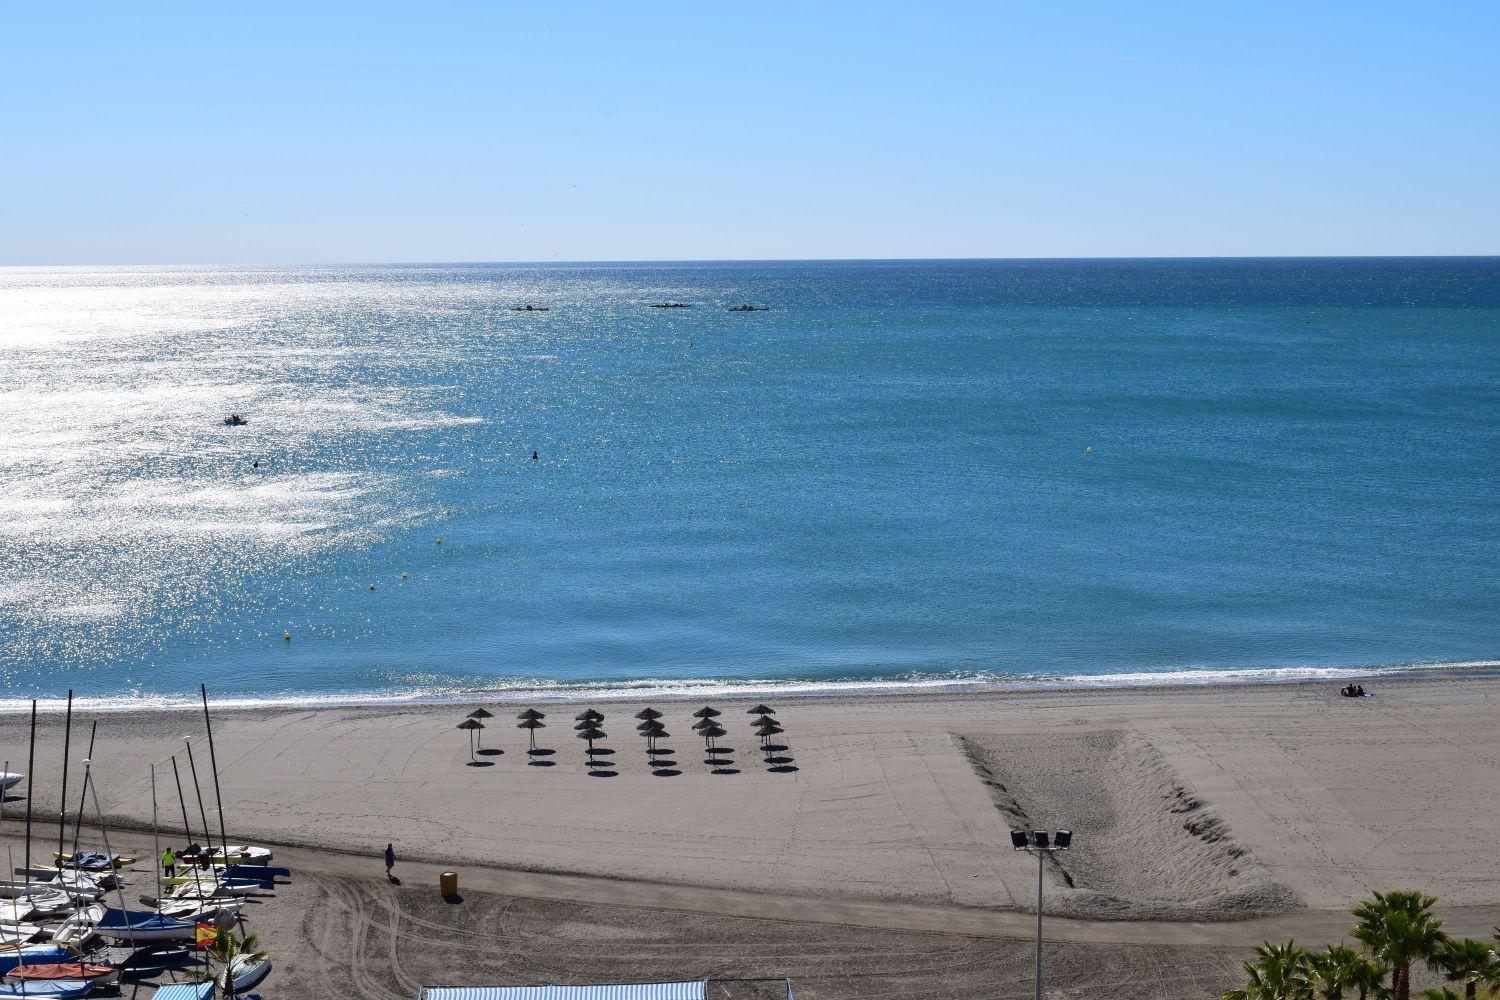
245	971
99	975
54	989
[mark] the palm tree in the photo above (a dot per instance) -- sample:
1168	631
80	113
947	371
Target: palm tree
1368	977
1399	928
1278	972
226	956
1333	970
1464	960
1439	993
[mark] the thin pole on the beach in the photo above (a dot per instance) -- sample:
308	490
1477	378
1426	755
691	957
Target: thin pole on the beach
30	769
187	827
89	786
192	766
155	841
213	765
78	823
1040	857
62	802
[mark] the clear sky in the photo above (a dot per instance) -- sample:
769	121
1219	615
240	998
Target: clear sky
366	131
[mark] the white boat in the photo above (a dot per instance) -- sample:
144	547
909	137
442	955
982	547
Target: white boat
236	854
78	885
18	933
48	901
196	910
15	911
9	780
78	929
209	889
245	972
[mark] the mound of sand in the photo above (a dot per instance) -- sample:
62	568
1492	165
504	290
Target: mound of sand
1146	847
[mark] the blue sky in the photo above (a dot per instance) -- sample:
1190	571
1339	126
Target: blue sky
267	132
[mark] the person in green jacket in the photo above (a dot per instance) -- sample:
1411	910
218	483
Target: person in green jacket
168	863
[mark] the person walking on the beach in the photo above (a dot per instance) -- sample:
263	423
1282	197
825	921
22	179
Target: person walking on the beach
390	859
168	863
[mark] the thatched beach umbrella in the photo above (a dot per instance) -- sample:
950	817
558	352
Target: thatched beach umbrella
589	715
480	713
648	714
531	720
591	733
710	732
761	710
706	713
766	730
473	726
652	730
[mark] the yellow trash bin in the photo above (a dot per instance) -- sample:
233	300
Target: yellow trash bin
448	882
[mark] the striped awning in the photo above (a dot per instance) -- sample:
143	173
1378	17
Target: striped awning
186	991
628	991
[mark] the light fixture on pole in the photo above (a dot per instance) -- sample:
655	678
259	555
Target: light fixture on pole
1041	843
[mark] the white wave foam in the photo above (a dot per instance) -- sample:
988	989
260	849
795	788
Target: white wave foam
677	689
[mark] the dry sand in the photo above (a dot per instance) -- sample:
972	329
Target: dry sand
1193	809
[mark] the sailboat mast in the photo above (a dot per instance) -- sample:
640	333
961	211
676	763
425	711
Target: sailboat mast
155	840
78	823
198	791
89	786
187	827
213	764
62	803
30	769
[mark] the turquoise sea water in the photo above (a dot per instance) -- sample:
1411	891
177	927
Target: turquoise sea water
911	472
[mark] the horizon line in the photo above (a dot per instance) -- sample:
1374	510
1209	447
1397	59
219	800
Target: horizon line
755	260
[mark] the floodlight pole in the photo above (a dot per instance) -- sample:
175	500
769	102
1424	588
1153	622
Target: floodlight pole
1040	844
1037	971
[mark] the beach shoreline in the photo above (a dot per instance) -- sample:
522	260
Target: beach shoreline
1192	803
541	692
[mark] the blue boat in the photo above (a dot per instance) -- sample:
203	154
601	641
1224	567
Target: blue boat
142	925
263	872
50	989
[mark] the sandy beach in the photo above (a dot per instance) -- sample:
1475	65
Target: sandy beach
1205	818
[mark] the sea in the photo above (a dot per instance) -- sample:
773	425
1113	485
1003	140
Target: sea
899	474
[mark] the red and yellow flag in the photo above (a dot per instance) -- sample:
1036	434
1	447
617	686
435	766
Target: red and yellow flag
205	935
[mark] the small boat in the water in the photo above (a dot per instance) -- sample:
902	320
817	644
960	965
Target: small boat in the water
99	975
529	308
748	308
671	305
235	420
